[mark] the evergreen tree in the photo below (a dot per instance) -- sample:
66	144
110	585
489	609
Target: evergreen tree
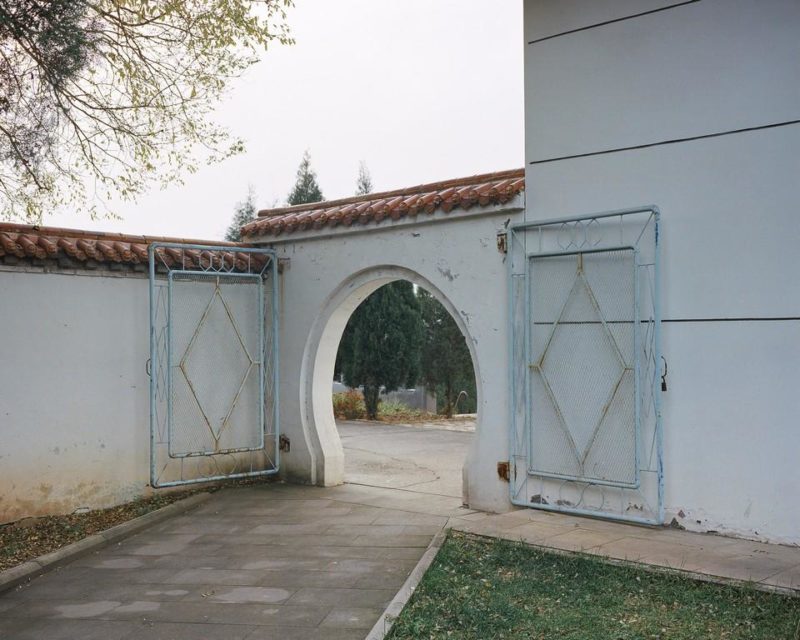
305	188
364	182
363	187
445	362
384	343
244	212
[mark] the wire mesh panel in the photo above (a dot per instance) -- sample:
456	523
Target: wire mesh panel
582	370
586	428
214	413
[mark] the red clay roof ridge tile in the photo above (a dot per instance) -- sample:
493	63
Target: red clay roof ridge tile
64	232
36	242
482	190
476	180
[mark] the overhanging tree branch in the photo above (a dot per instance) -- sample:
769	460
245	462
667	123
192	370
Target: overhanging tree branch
118	92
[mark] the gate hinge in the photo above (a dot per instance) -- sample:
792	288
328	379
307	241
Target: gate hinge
502	241
284	444
283	263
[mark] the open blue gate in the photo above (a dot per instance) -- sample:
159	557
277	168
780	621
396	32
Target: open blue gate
585	365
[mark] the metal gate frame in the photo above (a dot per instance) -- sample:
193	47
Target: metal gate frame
624	229
166	261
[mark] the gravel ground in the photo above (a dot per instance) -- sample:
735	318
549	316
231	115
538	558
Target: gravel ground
32	537
26	539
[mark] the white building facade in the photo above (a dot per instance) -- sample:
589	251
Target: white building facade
693	107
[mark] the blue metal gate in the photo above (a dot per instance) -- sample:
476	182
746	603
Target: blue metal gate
213	363
585	396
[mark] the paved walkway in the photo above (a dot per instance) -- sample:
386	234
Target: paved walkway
257	563
291	562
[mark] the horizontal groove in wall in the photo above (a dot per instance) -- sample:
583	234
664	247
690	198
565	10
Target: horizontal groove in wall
745	319
601	24
680	320
667	142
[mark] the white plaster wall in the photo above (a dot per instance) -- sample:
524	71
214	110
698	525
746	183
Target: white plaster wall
731	281
548	18
695	69
325	279
74	399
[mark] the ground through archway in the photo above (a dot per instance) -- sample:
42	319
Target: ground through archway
404	393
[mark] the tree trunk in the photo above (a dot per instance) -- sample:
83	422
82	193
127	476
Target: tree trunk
448	400
371	393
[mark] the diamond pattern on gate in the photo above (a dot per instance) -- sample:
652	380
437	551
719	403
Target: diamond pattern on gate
578	378
222	349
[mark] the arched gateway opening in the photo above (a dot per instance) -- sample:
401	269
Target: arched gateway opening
322	349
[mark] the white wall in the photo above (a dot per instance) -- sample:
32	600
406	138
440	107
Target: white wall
731	283
74	395
325	279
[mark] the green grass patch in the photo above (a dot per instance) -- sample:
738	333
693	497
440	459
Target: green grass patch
484	589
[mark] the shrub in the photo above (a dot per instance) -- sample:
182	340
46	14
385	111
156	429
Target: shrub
397	412
349	405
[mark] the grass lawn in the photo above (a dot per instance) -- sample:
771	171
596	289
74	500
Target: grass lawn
484	589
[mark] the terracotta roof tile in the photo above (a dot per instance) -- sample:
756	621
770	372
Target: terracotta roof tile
33	242
483	190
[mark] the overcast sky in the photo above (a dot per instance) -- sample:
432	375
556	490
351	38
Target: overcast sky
421	90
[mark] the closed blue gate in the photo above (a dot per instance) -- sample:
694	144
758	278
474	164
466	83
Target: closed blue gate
213	363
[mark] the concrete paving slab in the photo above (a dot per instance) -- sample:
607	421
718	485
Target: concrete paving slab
581	539
788	579
321	633
352	618
375	598
183	631
23	629
223	577
393	541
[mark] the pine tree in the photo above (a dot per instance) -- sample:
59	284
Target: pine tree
446	363
244	212
364	182
363	187
384	350
305	188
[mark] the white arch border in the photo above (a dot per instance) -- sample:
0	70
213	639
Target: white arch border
319	358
